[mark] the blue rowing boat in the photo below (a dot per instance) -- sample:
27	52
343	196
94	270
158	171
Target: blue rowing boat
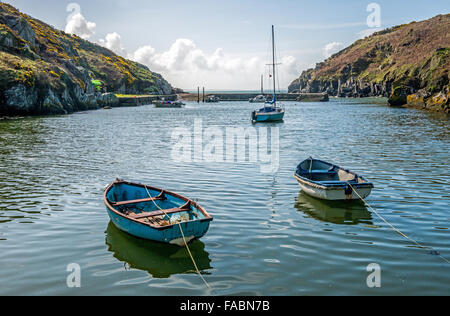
155	214
326	181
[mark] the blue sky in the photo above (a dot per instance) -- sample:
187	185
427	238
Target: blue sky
225	44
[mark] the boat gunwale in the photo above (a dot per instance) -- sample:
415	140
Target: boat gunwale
336	186
208	217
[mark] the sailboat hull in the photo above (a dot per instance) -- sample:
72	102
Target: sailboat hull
269	117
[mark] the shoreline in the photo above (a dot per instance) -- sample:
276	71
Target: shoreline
141	100
246	96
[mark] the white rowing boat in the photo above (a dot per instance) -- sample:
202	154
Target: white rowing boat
326	181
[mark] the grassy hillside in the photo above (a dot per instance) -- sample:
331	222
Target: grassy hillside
45	70
406	60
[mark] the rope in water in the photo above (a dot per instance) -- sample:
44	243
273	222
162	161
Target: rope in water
396	229
184	239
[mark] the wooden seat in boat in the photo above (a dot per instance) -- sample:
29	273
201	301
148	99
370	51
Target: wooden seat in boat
184	208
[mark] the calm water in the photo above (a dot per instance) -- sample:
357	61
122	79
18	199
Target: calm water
267	237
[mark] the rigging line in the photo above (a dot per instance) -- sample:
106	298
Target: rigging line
279	73
396	229
184	239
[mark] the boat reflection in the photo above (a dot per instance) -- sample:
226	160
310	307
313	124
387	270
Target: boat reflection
336	212
160	260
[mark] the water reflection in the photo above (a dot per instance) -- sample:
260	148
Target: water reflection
160	260
336	212
22	143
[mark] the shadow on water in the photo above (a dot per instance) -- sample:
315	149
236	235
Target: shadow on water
158	259
336	212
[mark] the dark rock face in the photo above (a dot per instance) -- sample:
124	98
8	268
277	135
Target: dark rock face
25	100
344	89
23	29
20	99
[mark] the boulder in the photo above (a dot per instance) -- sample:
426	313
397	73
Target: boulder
399	96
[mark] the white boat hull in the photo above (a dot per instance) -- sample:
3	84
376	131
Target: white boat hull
333	194
326	181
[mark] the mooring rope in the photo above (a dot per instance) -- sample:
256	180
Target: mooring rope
396	229
184	239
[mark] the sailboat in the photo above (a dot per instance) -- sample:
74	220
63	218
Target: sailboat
260	98
270	112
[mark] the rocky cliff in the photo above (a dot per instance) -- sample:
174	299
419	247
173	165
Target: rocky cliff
409	64
46	71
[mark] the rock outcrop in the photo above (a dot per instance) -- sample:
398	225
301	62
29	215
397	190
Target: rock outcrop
409	64
20	98
439	102
46	71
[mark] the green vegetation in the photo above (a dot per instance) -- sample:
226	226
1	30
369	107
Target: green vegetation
133	95
414	55
62	68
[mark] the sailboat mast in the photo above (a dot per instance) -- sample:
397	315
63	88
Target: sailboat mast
274	69
262	84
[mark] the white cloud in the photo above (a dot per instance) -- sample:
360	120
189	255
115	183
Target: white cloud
187	66
113	41
78	25
332	48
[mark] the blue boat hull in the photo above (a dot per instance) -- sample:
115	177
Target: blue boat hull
194	226
171	235
270	118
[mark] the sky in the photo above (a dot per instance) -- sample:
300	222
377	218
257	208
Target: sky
226	45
